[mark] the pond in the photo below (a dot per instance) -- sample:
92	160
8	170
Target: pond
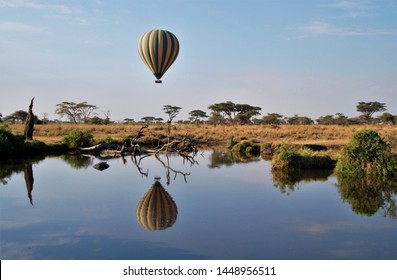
212	206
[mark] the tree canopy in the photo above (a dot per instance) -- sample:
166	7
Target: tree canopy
196	115
76	112
171	111
369	108
241	113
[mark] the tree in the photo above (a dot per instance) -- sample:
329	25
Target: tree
171	111
86	110
69	110
388	118
196	115
225	109
296	119
1	118
148	119
328	119
369	108
273	118
128	121
216	118
75	112
45	119
17	116
339	118
241	112
245	112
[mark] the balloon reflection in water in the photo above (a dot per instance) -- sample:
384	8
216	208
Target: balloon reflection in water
156	210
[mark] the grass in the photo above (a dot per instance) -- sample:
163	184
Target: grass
327	135
288	157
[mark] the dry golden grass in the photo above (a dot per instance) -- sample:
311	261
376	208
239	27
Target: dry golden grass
330	135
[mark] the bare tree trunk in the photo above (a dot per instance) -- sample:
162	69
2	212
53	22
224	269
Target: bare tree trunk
29	122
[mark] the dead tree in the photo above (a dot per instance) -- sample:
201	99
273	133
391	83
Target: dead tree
29	122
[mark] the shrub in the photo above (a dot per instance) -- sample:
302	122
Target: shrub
78	138
10	143
16	145
367	153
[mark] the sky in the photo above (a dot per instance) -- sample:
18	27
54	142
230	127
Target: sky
311	58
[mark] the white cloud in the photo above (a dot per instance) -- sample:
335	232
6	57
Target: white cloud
20	4
352	9
11	26
349	5
323	28
29	4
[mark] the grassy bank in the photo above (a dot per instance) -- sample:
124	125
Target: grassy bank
328	135
16	145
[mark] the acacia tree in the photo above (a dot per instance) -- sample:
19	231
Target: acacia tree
273	118
196	115
245	112
86	111
148	119
171	111
233	112
388	118
75	112
369	108
296	119
17	116
225	109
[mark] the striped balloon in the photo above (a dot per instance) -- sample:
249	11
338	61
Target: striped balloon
156	210
158	50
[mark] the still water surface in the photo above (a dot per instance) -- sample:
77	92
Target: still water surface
212	207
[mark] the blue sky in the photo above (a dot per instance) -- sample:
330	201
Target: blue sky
310	58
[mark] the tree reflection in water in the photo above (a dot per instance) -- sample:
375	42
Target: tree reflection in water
368	194
78	161
218	159
15	166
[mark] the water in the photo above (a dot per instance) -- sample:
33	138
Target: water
209	207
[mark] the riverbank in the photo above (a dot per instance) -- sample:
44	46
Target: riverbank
331	136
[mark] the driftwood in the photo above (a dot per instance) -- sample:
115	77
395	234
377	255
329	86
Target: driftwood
116	148
182	146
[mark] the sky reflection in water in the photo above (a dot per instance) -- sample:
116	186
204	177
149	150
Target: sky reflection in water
214	207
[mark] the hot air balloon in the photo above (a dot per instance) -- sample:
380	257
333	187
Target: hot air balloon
156	210
158	50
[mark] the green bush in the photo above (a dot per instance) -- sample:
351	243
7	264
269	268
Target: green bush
367	153
78	138
10	143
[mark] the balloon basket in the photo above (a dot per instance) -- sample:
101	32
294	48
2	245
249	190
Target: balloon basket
158	81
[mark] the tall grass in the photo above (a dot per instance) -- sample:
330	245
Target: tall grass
329	135
288	157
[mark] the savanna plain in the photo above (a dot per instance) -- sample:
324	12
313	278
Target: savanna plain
331	136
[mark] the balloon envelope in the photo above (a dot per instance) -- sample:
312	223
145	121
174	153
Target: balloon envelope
156	210
158	50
